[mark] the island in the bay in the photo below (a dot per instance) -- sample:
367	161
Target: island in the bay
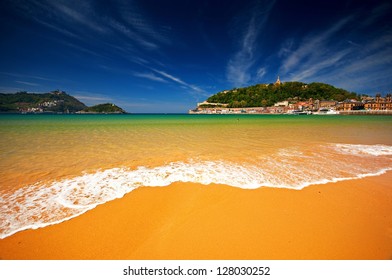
52	102
293	98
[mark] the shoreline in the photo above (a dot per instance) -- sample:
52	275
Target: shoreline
343	113
343	220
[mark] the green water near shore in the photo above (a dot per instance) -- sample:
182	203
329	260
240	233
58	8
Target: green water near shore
46	147
59	166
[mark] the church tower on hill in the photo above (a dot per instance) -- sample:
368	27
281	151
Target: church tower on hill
278	82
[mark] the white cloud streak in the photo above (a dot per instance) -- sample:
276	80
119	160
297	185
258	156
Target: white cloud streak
355	66
132	35
91	98
84	22
149	76
27	83
312	54
178	81
79	12
240	64
261	72
376	13
27	76
134	18
5	89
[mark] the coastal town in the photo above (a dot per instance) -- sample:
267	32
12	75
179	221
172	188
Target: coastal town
366	105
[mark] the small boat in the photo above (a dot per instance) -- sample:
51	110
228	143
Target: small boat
297	112
326	111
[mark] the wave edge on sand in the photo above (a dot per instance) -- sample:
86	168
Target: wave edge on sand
45	204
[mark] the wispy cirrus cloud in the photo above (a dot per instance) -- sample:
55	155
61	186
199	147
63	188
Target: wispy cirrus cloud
369	68
348	64
149	76
70	18
239	65
84	23
78	13
91	98
56	28
261	73
23	81
27	83
136	20
26	76
132	35
375	13
5	89
313	53
178	81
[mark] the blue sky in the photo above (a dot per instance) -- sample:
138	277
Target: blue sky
164	56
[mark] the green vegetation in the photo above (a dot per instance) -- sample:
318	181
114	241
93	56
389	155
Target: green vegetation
52	102
264	95
55	101
107	108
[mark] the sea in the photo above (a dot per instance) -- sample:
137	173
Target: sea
56	167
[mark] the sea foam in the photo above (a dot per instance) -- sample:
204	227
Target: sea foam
45	204
374	150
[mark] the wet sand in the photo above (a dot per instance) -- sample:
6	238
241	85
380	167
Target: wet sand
345	220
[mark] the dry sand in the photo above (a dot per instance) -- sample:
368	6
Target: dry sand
345	220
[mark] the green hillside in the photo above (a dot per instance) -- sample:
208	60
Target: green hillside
56	101
263	95
107	108
52	102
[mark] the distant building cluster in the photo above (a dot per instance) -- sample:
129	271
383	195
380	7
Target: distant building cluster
293	106
39	108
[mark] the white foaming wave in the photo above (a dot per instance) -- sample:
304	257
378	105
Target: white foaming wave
38	205
358	149
41	205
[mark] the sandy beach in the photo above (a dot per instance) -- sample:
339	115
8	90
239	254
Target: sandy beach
344	220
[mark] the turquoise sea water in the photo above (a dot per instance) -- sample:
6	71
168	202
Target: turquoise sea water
55	167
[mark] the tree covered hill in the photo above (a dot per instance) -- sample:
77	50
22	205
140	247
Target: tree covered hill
264	95
55	101
107	108
52	102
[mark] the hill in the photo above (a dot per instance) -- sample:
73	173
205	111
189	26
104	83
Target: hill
55	101
52	102
263	95
107	108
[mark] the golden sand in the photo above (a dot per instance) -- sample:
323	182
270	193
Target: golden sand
345	220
